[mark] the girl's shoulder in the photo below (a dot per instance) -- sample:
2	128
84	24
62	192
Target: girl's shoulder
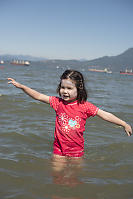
54	102
89	108
86	103
54	99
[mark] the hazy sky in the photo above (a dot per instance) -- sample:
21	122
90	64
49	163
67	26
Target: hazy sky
66	29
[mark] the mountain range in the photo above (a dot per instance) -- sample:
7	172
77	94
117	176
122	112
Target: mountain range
114	63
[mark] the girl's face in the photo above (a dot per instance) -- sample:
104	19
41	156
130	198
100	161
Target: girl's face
68	90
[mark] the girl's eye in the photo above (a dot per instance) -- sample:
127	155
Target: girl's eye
69	88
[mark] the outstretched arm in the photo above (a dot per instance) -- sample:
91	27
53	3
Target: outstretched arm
113	119
32	93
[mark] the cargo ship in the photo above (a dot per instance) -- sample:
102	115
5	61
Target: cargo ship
1	62
20	62
100	71
127	72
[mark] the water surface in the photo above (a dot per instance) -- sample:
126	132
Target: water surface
26	137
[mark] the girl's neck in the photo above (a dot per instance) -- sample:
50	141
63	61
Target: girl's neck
70	101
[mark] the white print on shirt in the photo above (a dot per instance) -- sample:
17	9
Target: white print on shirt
67	124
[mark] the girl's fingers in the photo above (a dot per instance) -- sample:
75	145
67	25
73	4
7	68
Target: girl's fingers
10	79
10	82
129	131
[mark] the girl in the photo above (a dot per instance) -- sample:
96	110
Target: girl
72	109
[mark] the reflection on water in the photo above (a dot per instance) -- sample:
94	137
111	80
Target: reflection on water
66	170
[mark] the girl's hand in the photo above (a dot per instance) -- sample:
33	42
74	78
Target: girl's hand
112	118
128	129
16	84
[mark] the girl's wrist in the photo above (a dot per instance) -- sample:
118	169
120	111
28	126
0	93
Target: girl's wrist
21	86
125	125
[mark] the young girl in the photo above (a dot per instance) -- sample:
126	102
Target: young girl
72	109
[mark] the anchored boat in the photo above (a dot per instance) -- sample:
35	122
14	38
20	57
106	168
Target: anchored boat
127	72
1	62
101	71
20	62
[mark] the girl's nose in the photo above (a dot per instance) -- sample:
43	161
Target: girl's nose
65	90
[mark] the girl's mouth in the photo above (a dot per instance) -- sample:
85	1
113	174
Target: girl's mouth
65	96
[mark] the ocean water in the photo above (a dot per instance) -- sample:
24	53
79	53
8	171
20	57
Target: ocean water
26	137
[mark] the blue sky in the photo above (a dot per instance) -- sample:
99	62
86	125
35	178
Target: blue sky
66	29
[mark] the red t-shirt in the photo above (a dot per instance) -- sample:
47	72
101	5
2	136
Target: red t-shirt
70	125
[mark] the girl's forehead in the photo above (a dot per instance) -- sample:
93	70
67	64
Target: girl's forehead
68	81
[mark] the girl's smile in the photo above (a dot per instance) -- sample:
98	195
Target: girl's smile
68	90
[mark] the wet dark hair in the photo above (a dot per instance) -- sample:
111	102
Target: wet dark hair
78	79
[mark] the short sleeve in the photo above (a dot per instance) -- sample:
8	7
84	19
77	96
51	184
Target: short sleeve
91	109
54	102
